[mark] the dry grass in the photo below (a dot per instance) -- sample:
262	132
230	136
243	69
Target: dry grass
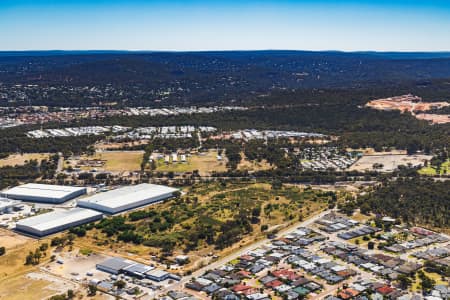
252	166
118	161
11	240
20	288
389	162
205	163
20	159
12	263
361	218
119	145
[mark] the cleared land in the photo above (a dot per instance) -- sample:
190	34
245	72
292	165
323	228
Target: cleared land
412	104
117	161
434	118
388	162
252	166
409	103
12	263
20	159
104	146
22	287
11	240
204	162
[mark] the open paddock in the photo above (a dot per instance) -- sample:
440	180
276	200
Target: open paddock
115	161
20	159
388	162
205	163
11	240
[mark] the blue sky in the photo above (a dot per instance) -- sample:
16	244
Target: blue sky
225	25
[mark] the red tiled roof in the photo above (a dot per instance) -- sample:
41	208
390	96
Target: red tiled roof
273	284
344	295
286	274
240	288
244	273
348	293
247	257
384	290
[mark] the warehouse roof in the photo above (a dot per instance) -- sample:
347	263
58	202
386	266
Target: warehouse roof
157	273
6	203
138	269
116	263
58	218
42	190
128	195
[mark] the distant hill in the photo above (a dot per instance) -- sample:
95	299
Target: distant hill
193	77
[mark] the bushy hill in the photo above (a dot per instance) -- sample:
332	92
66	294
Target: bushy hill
194	77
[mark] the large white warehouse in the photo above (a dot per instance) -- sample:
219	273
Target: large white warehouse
34	192
126	198
53	222
7	205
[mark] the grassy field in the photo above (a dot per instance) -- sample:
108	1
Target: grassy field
20	159
205	163
118	161
436	277
431	171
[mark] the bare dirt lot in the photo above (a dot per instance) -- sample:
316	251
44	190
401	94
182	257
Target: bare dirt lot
388	162
23	287
434	118
11	240
77	265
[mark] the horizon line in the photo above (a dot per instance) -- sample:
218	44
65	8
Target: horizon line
226	50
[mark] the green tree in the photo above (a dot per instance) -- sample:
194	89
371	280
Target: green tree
92	290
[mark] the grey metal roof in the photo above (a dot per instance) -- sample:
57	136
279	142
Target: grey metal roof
138	268
116	263
127	195
42	190
157	273
7	203
58	218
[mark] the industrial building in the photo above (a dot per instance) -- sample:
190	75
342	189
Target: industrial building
117	265
53	222
47	193
114	265
126	198
7	205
